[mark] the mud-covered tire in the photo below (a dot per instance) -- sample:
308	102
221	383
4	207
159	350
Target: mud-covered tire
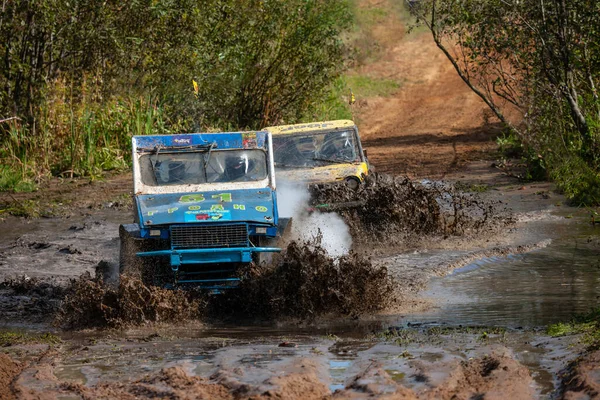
146	268
129	246
281	240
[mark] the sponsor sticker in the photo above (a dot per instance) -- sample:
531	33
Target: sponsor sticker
182	140
207	215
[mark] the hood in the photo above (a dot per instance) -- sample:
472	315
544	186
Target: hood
251	205
326	174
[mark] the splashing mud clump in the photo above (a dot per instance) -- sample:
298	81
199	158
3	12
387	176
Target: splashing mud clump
307	283
89	303
387	207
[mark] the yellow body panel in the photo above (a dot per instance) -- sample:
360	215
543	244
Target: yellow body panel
310	127
324	174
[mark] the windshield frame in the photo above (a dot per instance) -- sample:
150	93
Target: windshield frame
141	188
359	159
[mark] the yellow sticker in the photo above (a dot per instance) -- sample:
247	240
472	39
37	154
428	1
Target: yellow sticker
261	208
225	197
192	198
217	207
194	208
172	210
239	207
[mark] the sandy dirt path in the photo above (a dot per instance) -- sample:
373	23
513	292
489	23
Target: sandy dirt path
433	124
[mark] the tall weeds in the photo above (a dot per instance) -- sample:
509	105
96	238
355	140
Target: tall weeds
81	139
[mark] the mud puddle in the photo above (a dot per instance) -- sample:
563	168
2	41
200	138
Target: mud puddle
535	288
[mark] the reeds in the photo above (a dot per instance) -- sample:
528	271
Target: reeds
68	139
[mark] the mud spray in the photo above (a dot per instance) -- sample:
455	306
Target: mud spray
293	201
390	210
306	283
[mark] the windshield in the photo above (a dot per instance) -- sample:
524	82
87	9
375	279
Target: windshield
315	149
207	166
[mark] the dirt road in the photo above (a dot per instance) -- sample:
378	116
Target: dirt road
433	124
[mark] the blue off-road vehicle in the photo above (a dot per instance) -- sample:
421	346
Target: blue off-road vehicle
204	205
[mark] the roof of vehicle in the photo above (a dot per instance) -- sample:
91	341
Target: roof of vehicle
223	140
309	127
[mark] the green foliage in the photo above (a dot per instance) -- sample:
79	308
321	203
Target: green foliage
509	145
267	62
84	76
334	105
577	180
538	58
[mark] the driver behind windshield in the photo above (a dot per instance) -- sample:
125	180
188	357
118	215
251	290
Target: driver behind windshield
236	168
338	146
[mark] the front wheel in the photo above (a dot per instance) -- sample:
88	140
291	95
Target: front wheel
151	270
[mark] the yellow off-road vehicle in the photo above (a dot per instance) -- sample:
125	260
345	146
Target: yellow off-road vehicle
319	152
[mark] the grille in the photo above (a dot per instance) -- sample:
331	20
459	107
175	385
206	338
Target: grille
187	237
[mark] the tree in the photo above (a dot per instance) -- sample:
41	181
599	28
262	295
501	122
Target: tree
539	57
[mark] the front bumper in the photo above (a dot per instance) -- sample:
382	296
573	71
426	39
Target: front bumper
209	256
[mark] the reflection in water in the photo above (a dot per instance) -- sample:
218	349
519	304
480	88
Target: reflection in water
533	289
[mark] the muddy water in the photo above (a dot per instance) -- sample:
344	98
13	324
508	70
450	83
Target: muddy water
533	289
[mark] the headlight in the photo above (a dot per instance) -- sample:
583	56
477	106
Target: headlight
261	229
154	232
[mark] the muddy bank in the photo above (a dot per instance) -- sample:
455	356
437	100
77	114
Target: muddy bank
9	371
471	365
581	378
497	376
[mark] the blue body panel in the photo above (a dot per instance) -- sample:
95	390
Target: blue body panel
248	205
237	140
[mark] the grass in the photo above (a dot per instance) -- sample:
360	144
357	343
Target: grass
336	102
15	338
586	324
367	86
11	179
23	208
368	18
83	139
472	187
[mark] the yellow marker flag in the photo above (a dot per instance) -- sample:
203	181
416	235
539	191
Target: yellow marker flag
195	87
352	98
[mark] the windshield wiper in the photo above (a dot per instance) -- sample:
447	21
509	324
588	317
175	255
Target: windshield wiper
289	166
176	149
333	161
207	159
